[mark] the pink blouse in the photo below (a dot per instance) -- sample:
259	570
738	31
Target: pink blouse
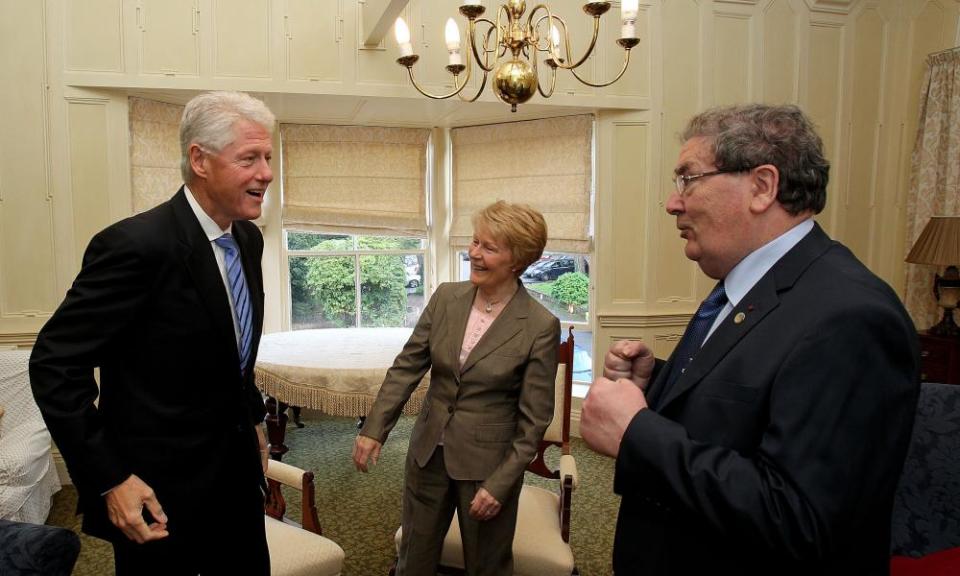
477	325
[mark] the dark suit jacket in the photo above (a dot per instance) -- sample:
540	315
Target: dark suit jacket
779	450
494	412
149	308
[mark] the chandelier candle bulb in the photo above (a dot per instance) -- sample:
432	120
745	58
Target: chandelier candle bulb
555	38
403	38
452	36
471	3
628	17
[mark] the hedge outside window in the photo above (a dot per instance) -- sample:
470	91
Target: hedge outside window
341	281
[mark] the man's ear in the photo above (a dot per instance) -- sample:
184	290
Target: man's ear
197	156
766	182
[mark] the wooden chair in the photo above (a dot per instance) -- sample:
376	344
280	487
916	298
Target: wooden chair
541	545
297	549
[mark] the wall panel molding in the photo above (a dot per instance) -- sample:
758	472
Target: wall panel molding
651	321
831	6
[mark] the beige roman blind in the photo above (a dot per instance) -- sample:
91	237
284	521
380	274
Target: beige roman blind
543	163
355	179
154	152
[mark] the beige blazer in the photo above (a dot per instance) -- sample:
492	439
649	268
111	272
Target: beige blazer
493	413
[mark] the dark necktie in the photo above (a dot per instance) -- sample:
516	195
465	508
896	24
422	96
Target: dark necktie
241	299
695	334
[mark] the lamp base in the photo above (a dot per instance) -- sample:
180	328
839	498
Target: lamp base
946	326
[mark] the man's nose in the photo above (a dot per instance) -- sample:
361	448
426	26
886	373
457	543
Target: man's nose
674	203
265	173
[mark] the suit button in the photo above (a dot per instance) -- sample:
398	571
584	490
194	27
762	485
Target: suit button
450	409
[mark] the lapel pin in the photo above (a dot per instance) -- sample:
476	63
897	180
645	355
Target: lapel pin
739	317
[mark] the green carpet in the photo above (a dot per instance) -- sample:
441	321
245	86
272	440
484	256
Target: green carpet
361	512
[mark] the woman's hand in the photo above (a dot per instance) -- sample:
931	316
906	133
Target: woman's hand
365	448
484	506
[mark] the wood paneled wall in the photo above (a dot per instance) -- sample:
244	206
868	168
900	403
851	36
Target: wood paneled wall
855	65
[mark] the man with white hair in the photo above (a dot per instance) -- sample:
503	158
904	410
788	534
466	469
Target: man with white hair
168	305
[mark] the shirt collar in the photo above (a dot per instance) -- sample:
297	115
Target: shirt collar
751	269
210	228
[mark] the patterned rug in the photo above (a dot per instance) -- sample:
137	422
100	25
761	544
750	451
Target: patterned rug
361	512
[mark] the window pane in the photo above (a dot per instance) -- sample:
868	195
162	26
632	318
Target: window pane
562	282
582	355
314	241
322	291
389	243
390	294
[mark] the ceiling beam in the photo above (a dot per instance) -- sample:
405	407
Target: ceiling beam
378	16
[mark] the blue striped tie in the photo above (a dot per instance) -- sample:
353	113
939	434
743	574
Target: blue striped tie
241	299
696	333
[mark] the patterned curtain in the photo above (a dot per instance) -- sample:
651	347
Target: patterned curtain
544	163
154	152
355	179
934	173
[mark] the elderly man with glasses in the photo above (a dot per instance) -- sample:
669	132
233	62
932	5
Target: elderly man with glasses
772	440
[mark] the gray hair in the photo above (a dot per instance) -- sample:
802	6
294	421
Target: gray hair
746	136
208	120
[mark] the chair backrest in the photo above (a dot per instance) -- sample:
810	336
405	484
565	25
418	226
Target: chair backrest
275	505
928	496
558	433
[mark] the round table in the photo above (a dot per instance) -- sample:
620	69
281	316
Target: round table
337	371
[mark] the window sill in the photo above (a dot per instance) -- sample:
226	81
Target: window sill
580	390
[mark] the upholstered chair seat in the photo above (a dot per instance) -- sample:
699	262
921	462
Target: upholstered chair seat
297	549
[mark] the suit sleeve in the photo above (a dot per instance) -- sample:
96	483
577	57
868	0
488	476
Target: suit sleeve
113	283
535	411
838	410
403	377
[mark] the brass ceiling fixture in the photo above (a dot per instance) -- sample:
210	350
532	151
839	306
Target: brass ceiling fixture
516	78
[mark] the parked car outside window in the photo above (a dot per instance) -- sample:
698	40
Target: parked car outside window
547	270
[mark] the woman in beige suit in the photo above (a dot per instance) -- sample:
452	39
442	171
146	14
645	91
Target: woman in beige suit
491	351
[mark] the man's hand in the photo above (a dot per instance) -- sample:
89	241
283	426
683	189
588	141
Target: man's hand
264	448
365	448
125	505
629	359
607	411
484	506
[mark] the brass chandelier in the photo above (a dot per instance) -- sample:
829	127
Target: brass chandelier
516	77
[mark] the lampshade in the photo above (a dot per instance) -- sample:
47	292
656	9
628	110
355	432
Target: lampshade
939	243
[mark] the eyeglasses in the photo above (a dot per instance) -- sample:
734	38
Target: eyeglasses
681	180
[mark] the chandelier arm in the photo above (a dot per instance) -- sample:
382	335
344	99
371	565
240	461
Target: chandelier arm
486	39
532	29
553	83
456	82
483	63
483	84
626	61
593	43
549	43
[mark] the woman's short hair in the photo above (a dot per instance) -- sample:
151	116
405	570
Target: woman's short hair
208	120
520	226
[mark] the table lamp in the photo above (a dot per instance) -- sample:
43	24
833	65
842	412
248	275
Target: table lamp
939	245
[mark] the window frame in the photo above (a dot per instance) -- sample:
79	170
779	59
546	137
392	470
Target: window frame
355	254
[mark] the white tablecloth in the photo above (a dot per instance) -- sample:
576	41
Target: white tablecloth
28	477
337	371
